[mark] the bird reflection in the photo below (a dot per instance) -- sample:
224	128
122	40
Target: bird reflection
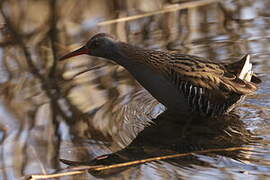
173	133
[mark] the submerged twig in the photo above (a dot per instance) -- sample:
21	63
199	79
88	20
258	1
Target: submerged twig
35	177
53	35
87	70
84	169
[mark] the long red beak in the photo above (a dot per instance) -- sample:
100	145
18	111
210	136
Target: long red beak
82	50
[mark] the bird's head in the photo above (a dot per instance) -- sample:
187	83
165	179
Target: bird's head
100	45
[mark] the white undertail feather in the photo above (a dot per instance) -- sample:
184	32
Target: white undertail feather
246	72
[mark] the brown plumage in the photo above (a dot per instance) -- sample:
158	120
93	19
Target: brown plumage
179	81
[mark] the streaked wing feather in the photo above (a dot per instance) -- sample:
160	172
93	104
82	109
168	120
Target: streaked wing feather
208	74
208	87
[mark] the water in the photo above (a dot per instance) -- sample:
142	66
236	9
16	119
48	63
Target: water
65	114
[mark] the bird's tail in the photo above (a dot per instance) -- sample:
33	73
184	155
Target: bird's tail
246	72
243	68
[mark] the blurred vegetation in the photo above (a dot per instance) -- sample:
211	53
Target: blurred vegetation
47	104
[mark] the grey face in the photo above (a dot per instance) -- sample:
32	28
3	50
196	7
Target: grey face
101	45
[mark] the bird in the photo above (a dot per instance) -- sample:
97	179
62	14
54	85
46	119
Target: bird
182	83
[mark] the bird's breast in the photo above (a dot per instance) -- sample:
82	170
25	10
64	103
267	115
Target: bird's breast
158	86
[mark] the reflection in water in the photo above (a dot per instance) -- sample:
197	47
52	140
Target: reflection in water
48	113
171	134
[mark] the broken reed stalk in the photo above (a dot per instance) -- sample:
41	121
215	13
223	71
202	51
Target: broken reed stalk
170	8
83	169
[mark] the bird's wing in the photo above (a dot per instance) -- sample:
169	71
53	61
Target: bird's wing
207	74
208	86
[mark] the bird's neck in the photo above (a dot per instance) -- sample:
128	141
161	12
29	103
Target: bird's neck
126	54
147	67
129	56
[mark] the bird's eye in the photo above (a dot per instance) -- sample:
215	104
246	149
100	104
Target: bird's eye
92	44
95	44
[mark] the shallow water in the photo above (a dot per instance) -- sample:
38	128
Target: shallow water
56	113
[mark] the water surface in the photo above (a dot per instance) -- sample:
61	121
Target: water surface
51	111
